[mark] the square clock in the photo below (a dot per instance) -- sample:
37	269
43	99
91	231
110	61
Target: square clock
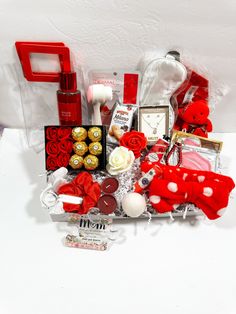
153	122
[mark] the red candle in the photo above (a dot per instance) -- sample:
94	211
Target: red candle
110	185
107	204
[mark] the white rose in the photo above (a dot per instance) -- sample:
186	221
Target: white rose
120	160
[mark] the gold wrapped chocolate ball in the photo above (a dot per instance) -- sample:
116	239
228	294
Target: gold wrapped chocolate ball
91	162
80	148
95	134
76	162
79	134
95	148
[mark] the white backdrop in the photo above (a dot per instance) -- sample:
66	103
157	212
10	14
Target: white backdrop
179	269
116	33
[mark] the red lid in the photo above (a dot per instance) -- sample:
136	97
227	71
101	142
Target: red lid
68	82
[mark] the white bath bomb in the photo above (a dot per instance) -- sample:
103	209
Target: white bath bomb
134	204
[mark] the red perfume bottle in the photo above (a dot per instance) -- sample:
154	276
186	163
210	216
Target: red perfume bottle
69	100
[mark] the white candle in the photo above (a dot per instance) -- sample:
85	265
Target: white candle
134	204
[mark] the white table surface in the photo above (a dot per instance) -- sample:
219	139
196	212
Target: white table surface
168	268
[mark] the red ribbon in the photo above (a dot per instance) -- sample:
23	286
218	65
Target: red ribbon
82	186
207	190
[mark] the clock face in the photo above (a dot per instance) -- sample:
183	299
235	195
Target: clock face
153	125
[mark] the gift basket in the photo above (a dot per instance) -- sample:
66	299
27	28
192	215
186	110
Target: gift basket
128	145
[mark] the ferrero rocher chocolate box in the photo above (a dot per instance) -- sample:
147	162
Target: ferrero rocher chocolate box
75	147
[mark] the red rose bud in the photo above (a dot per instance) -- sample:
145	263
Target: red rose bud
135	141
51	133
63	160
64	133
51	163
52	148
65	146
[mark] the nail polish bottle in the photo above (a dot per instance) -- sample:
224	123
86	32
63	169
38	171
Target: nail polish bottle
69	100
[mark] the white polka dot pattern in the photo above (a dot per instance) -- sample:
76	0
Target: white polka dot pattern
172	187
155	199
207	192
201	178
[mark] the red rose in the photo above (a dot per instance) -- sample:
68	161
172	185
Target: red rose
63	160
135	141
65	146
51	133
52	148
51	163
64	133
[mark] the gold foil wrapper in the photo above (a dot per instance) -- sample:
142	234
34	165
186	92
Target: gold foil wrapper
79	134
95	134
91	162
80	148
76	162
95	148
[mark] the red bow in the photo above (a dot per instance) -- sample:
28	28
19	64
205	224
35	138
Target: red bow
82	186
209	191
